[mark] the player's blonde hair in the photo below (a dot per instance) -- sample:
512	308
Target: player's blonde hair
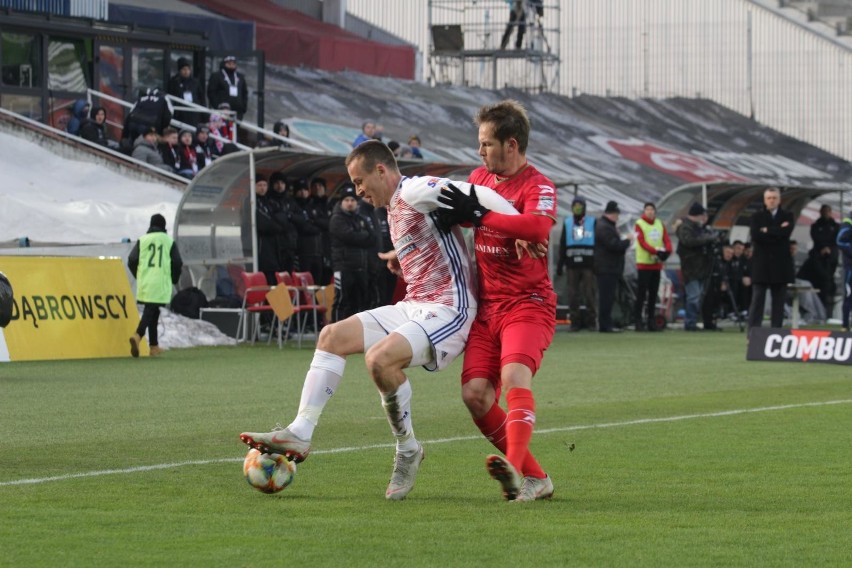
509	119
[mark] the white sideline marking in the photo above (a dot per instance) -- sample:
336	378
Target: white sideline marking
438	441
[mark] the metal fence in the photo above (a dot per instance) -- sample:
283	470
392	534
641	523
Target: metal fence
752	56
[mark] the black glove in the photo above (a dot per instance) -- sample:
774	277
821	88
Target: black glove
663	255
446	219
465	207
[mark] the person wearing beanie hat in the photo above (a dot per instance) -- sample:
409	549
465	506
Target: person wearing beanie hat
844	244
610	249
696	209
696	262
156	264
186	87
577	258
227	85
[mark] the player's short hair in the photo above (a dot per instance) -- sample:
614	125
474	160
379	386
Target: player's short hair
649	204
510	120
772	190
373	152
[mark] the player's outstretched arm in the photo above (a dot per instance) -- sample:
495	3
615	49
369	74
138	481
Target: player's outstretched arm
527	227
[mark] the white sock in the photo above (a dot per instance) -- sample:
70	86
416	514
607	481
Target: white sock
321	381
397	406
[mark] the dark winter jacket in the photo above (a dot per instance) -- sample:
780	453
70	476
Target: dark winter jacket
219	90
177	87
771	261
609	248
694	250
352	240
151	109
92	131
147	152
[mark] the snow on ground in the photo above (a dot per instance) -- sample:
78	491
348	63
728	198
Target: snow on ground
176	331
56	200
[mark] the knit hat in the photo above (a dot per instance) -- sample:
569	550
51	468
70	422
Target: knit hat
348	191
697	209
183	62
158	220
612	207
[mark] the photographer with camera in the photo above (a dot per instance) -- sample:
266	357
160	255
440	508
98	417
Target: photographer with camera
695	250
653	247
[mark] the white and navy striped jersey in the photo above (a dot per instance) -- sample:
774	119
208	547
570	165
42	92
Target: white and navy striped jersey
435	265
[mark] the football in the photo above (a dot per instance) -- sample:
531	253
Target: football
269	473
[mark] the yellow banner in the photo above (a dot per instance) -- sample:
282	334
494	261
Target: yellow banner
68	308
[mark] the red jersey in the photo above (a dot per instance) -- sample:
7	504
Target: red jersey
502	276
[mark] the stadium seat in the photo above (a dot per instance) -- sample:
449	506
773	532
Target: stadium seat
308	296
254	303
286	279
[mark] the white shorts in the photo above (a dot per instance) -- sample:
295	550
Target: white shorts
437	333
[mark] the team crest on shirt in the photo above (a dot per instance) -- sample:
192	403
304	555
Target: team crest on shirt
430	315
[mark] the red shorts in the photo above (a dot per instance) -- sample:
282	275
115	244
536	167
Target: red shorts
519	333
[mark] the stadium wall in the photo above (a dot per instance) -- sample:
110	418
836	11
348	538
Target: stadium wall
748	55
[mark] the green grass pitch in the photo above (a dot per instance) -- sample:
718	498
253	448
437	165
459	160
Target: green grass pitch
684	455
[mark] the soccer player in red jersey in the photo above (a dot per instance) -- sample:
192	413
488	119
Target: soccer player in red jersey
517	309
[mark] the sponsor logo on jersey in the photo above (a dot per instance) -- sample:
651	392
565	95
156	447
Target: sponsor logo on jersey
402	253
546	189
489	249
432	182
545	203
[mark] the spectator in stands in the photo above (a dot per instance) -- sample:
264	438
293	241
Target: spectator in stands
145	149
414	144
351	241
188	158
220	131
228	86
610	249
205	148
152	109
368	128
184	86
79	113
169	149
94	129
378	132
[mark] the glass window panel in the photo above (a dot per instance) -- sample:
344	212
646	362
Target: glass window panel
67	65
113	83
21	64
21	104
60	112
147	66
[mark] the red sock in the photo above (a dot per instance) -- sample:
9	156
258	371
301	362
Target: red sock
519	428
493	427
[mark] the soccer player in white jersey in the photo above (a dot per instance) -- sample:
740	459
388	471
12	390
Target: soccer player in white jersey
429	327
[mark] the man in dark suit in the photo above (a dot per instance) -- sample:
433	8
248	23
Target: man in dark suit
609	262
772	264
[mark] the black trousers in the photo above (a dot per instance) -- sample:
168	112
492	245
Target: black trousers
647	285
149	321
758	302
607	284
582	288
351	293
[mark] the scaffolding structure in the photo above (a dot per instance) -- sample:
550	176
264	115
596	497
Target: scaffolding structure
495	44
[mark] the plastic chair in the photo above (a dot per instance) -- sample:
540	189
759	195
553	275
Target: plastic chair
308	296
254	303
286	279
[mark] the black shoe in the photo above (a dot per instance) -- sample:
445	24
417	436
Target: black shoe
640	326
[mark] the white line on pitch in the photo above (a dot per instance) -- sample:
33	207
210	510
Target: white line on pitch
437	441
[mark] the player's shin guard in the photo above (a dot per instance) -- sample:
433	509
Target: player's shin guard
397	405
321	382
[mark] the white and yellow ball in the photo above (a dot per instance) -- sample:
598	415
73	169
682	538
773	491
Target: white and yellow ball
269	473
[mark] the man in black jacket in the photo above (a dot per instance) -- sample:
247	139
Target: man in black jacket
696	261
609	262
352	240
227	85
771	262
184	86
